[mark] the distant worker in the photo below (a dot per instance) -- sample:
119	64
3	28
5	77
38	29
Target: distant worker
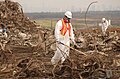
105	23
63	34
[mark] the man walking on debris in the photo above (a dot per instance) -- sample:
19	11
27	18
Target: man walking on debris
63	34
104	25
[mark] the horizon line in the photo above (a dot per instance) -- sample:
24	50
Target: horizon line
73	11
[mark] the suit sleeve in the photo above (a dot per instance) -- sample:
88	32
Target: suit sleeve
57	30
72	34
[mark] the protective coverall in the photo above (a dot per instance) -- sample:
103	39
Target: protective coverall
105	25
62	51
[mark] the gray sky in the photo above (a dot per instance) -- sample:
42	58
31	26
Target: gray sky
63	5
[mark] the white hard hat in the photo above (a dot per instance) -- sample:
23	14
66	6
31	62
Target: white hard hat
103	19
68	14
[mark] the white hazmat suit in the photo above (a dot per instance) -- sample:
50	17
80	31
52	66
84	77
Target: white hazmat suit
104	25
62	51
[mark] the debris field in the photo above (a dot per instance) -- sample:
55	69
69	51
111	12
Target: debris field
26	50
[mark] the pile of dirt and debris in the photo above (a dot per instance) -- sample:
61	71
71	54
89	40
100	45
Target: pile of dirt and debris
26	50
19	30
20	35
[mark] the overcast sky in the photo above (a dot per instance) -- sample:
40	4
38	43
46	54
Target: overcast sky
64	5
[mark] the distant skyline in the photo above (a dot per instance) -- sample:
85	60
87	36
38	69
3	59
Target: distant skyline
64	5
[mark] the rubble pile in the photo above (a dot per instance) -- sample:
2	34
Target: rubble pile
104	56
18	34
20	30
99	42
26	50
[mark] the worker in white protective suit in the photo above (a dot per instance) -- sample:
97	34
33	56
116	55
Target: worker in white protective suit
63	34
104	25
